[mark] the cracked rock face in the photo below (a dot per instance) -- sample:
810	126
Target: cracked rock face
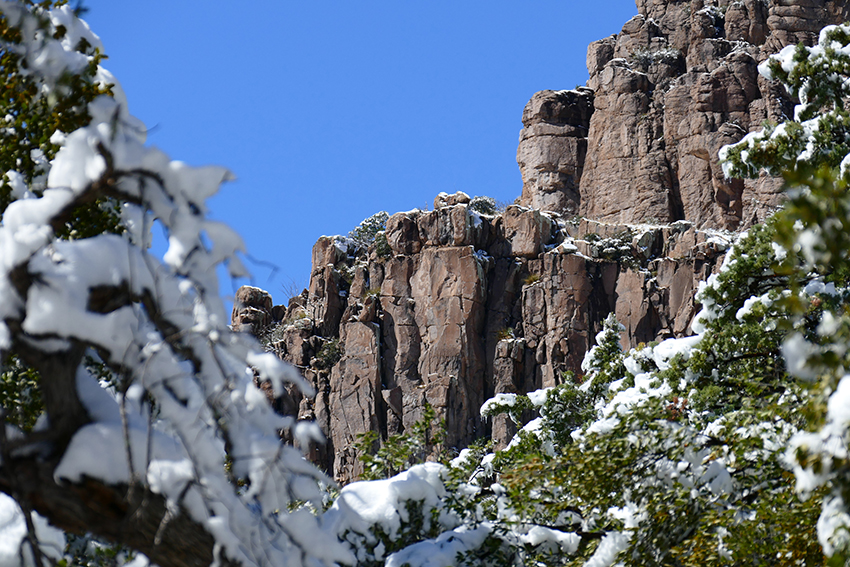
679	82
552	147
467	306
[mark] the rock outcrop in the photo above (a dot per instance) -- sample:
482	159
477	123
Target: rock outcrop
624	210
467	305
665	94
252	310
552	149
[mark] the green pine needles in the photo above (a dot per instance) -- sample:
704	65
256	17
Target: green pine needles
399	452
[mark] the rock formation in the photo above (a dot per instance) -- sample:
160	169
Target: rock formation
252	310
624	210
468	305
665	94
552	149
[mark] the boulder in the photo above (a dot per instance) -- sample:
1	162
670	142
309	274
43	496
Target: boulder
526	231
446	200
403	233
252	310
453	225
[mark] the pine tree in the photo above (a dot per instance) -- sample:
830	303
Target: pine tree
813	152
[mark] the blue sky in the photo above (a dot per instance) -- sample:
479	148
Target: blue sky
329	111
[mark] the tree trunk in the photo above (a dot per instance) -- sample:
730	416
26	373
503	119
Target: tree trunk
137	518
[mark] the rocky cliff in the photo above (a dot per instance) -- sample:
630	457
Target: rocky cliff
463	305
665	94
624	209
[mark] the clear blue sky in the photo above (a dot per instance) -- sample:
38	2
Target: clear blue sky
329	111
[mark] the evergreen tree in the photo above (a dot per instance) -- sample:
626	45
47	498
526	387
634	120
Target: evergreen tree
813	152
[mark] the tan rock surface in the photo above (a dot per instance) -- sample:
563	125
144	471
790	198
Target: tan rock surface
355	396
449	292
552	146
527	231
403	233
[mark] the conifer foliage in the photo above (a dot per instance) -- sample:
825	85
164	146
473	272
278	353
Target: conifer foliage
813	152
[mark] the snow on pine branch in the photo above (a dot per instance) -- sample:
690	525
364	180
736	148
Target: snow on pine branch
819	78
44	56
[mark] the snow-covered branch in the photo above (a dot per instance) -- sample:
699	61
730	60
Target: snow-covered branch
183	450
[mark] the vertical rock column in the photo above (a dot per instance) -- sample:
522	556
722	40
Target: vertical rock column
552	147
558	311
626	177
401	343
355	398
449	291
